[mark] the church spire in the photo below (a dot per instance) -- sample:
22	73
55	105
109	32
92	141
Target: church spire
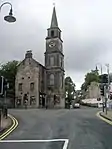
54	22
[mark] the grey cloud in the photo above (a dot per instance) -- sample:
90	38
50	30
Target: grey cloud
86	32
81	56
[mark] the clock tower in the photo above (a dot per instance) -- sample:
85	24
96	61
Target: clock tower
54	63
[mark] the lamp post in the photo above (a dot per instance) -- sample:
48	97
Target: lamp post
100	67
102	98
107	65
108	72
108	91
9	18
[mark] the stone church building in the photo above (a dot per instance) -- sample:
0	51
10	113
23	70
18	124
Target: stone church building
42	85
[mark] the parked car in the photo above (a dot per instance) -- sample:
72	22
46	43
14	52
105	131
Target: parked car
76	105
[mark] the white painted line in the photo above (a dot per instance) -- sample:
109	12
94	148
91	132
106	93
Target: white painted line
66	144
26	141
34	141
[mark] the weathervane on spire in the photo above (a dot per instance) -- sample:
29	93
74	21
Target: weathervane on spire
54	3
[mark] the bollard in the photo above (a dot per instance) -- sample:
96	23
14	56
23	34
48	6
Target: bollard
0	119
103	107
6	112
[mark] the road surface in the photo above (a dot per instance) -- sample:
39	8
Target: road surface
70	129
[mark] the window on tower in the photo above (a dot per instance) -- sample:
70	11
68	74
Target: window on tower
61	81
52	33
51	79
61	62
52	61
59	35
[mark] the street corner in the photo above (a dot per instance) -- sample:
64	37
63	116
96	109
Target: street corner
5	123
105	117
35	144
10	124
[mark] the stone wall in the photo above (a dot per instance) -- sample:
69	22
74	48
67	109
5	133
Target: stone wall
27	74
93	90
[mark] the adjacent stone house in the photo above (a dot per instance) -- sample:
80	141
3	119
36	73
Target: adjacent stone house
93	91
30	80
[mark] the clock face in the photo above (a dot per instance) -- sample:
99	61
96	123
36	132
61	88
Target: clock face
52	44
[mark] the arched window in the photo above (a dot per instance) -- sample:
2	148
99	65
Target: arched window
52	79
61	62
59	35
61	81
52	61
52	33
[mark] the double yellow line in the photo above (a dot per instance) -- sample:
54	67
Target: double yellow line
104	119
12	128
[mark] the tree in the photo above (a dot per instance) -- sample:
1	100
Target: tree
69	89
92	76
84	86
8	70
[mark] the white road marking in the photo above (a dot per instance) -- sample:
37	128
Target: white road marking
66	144
28	141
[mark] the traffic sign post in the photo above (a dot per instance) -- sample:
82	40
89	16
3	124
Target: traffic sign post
4	85
106	98
1	84
0	119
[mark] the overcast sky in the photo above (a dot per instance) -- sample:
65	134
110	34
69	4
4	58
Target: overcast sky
86	31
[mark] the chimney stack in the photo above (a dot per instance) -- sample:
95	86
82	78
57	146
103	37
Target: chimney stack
28	54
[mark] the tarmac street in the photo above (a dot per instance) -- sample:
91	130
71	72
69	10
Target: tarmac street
59	129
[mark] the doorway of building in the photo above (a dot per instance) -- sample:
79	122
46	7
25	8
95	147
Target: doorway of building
42	100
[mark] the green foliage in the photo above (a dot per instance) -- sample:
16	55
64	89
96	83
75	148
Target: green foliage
69	88
8	70
92	76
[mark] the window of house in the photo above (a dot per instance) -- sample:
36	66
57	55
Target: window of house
32	86
52	61
52	33
20	86
52	79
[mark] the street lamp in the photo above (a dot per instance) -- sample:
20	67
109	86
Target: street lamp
100	67
9	18
107	65
102	98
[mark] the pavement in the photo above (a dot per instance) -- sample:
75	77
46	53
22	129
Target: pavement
59	129
108	115
5	123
